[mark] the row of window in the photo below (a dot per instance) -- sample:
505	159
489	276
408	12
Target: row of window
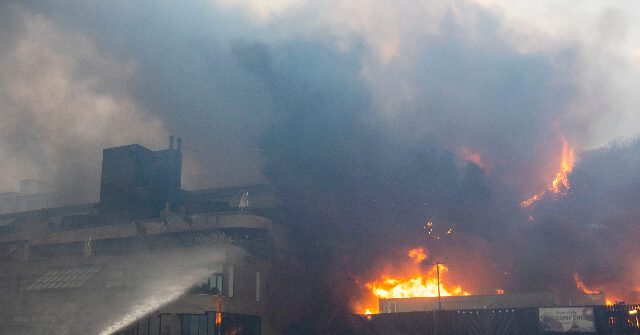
209	323
213	323
10	285
214	284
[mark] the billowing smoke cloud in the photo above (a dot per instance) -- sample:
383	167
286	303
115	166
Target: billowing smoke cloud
359	115
62	101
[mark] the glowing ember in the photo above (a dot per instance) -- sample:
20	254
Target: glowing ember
473	157
560	183
410	282
434	233
580	285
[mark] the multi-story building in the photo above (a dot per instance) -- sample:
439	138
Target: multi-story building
149	258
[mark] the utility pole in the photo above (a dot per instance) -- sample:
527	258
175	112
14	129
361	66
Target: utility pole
438	274
435	320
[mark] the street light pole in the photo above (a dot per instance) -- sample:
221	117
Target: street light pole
438	274
435	319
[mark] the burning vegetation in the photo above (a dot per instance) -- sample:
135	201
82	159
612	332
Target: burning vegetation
560	183
582	287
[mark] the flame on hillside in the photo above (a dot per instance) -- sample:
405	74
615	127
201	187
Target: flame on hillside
560	183
411	282
609	300
581	286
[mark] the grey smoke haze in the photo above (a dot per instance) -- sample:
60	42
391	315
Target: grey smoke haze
164	69
358	120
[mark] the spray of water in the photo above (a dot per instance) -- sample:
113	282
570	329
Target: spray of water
165	280
168	292
145	283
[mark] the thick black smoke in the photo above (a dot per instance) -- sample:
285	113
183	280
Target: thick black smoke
592	231
363	149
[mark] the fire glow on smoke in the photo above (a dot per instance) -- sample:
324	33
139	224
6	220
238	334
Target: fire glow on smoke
560	183
583	288
412	282
473	157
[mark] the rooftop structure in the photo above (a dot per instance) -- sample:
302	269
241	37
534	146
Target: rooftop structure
138	182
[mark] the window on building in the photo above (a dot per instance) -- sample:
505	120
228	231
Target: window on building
230	280
213	284
65	278
240	324
258	285
198	324
215	323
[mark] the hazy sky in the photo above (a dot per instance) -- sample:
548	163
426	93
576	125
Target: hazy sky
364	114
77	77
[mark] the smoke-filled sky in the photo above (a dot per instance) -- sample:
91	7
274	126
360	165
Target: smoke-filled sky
363	113
505	80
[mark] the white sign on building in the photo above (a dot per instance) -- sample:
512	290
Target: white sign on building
566	320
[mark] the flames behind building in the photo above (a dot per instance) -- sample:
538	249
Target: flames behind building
151	258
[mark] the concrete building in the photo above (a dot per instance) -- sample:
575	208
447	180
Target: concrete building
149	258
34	194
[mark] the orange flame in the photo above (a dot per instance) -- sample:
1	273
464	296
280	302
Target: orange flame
582	286
410	283
560	183
418	255
565	169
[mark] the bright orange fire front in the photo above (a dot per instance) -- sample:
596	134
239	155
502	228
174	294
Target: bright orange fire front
560	183
411	282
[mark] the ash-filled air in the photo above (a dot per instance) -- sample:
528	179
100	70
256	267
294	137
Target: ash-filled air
443	112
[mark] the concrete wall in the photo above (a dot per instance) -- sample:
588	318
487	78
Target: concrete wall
507	300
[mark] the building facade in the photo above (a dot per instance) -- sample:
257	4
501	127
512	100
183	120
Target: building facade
149	258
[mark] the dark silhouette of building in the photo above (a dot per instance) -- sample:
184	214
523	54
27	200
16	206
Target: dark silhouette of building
137	182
